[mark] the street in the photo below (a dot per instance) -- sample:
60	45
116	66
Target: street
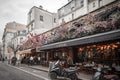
10	73
22	72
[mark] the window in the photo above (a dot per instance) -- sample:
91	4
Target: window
41	18
18	33
100	3
24	32
94	4
69	0
54	20
72	16
90	1
63	20
72	8
29	18
16	41
21	40
81	3
31	26
28	29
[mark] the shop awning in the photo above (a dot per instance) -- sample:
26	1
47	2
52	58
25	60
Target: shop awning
101	37
25	51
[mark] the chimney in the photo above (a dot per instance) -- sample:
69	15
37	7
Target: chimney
41	6
69	0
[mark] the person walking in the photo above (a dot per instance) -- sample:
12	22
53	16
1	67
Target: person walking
39	59
14	60
35	60
3	60
27	60
69	61
31	60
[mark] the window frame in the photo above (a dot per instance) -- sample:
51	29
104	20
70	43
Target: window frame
41	18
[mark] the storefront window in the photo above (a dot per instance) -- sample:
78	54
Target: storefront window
58	54
100	53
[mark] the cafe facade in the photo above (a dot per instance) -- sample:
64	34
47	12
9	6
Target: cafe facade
99	48
92	37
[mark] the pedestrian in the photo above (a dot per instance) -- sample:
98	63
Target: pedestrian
69	61
23	60
35	60
3	60
39	59
14	59
27	60
31	60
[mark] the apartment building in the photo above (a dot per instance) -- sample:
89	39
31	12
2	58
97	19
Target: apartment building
40	20
8	34
76	8
18	39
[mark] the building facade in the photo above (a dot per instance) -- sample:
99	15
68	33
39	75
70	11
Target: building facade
40	20
92	37
8	34
76	8
1	52
17	41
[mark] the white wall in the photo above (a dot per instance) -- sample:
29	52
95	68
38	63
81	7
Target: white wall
45	25
80	12
47	22
98	4
88	7
66	19
77	13
8	38
105	2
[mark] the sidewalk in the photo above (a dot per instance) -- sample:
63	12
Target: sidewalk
82	76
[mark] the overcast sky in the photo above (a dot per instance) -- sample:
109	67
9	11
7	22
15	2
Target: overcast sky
16	10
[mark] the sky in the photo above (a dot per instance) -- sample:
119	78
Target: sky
17	10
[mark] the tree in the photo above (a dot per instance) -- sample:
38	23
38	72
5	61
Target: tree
12	48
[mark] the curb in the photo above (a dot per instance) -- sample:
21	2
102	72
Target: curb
39	69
